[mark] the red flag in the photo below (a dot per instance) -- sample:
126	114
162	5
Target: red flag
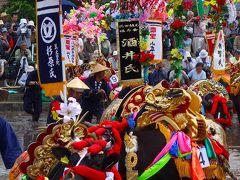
210	42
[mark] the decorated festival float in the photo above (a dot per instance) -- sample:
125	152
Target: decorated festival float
147	132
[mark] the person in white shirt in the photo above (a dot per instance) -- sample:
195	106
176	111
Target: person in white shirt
204	58
2	72
199	29
187	42
198	73
188	62
114	60
113	12
23	78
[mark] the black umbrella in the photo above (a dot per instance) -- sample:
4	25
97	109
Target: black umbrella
68	5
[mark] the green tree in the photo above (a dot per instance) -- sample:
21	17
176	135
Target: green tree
24	8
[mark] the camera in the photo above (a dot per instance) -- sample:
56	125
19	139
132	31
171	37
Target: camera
24	53
23	30
196	21
189	59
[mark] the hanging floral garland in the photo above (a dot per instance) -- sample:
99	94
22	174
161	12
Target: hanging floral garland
176	60
88	20
178	28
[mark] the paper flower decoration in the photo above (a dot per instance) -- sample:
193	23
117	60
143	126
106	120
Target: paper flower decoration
210	2
177	24
88	20
143	44
176	3
55	105
176	61
170	12
221	2
145	57
69	110
187	4
178	28
176	54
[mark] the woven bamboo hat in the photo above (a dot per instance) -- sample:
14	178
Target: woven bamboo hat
96	67
76	83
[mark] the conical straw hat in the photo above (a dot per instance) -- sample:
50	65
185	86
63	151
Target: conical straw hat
96	67
76	83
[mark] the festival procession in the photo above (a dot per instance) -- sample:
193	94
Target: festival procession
119	89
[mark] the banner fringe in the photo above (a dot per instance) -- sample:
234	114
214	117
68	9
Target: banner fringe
212	172
218	72
53	89
132	83
183	167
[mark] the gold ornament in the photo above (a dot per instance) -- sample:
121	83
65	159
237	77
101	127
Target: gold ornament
138	98
61	135
131	160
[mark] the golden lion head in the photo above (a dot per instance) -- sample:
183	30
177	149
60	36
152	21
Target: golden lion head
164	100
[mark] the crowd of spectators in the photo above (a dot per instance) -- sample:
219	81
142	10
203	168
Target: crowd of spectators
16	40
197	62
18	37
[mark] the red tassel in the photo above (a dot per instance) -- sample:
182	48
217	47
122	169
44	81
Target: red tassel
225	108
216	148
97	147
215	105
92	129
225	153
117	176
118	143
81	144
226	122
219	99
100	131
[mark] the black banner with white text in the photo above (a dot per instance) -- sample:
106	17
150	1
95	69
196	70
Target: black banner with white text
128	36
49	54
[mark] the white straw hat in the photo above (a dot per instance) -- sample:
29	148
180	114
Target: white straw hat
96	67
31	23
23	21
203	53
76	83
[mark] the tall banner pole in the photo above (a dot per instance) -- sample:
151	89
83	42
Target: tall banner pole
63	53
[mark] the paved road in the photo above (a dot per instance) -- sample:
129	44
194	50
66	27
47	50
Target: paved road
27	131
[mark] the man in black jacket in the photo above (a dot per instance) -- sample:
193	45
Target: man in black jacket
92	101
32	96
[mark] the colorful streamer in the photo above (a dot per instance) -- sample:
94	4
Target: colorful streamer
155	168
184	146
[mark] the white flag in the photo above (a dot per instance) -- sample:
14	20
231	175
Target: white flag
219	53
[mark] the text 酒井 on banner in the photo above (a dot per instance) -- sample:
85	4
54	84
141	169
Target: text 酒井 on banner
49	54
128	42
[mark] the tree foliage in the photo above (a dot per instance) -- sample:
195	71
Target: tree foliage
24	8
